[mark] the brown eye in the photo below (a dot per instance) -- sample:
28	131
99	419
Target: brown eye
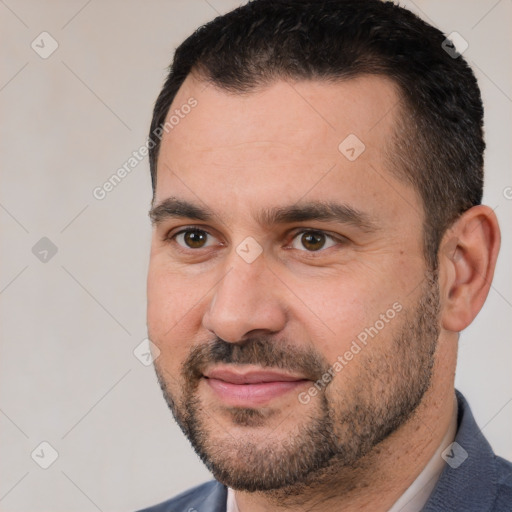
192	238
312	241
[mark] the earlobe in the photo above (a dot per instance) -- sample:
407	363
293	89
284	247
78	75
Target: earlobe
467	259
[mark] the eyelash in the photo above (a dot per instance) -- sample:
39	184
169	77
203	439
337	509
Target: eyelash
172	238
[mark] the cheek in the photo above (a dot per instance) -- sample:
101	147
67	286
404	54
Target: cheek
343	309
172	317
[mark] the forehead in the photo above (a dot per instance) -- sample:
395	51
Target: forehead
287	139
285	111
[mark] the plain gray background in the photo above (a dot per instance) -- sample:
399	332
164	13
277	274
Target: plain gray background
70	324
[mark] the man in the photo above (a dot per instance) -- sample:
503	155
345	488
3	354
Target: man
319	242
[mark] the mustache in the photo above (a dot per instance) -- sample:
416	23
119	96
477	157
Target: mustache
262	351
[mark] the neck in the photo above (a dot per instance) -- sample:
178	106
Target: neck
382	476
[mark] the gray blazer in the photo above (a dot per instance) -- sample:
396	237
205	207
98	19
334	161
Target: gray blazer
482	483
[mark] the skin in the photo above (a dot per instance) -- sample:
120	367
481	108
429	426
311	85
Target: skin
238	154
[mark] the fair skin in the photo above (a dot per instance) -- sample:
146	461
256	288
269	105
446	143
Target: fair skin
237	155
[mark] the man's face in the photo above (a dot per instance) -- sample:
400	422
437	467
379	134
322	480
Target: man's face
295	325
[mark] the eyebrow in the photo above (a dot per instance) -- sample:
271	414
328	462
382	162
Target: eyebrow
173	207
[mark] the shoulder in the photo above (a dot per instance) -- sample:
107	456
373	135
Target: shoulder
504	485
210	496
479	480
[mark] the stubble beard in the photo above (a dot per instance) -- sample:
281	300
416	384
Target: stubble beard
338	430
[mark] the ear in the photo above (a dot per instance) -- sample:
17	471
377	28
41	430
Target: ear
467	259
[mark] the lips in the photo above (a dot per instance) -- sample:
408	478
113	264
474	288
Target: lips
252	387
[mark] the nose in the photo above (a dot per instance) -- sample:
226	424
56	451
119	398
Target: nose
246	302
